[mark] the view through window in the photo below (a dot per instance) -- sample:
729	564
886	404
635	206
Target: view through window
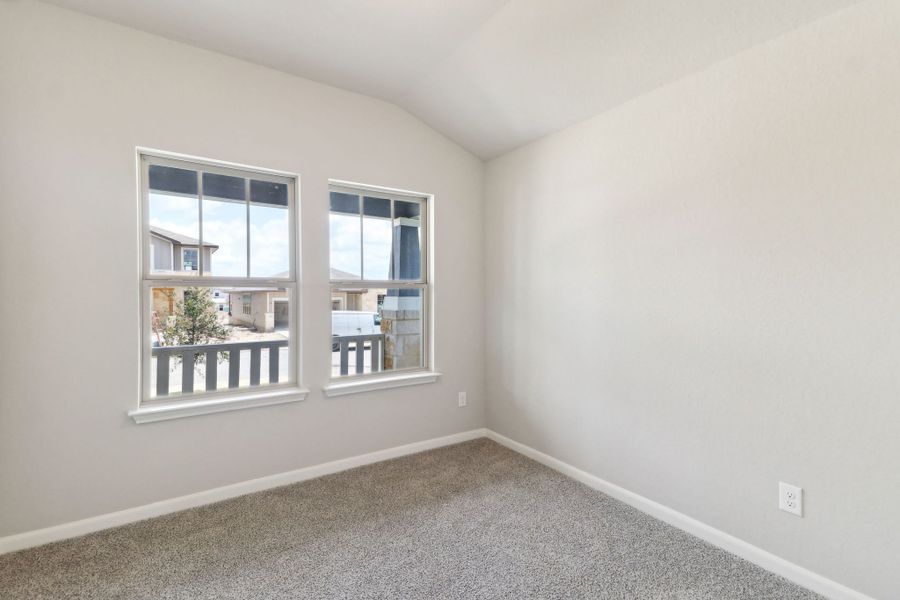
379	282
218	278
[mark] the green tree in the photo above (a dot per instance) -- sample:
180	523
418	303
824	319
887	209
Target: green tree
196	322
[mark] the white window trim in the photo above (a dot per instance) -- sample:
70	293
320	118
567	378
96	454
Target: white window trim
370	383
203	402
351	384
150	413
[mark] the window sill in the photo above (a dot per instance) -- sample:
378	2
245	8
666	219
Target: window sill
342	388
186	408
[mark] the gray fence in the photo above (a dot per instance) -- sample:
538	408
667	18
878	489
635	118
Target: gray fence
356	345
188	354
376	345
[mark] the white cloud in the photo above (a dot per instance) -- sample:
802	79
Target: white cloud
345	245
377	248
345	249
230	234
225	224
269	241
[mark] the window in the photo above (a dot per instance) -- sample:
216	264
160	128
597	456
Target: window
379	282
190	259
216	235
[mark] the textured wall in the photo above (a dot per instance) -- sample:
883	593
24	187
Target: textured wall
77	96
696	295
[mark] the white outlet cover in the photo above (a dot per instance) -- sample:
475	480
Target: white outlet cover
790	498
463	400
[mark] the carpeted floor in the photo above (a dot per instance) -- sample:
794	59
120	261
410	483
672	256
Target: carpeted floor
473	520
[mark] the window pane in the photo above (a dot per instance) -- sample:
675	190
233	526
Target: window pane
344	203
377	207
375	330
266	192
406	261
224	225
207	339
224	187
345	232
172	180
174	209
376	238
190	259
270	231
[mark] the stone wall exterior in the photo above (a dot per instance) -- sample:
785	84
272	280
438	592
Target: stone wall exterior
402	338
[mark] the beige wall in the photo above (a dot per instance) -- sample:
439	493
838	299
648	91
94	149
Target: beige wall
370	301
366	302
262	310
237	310
695	295
165	300
735	234
77	96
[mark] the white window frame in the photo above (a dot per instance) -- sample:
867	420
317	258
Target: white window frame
425	373
200	402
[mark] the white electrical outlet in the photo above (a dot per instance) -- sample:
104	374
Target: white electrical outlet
790	498
463	401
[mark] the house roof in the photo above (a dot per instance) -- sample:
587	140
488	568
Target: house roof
184	240
342	275
335	274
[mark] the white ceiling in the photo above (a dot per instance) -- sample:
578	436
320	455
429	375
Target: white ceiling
489	74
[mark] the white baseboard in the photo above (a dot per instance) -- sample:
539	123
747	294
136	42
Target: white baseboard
75	528
758	556
766	560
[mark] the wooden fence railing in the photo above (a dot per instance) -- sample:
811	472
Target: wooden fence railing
357	345
375	343
188	354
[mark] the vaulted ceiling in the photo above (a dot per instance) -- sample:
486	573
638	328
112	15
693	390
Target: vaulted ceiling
489	74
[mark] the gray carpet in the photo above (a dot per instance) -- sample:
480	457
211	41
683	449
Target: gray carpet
473	520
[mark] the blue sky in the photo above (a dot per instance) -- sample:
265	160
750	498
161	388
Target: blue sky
345	245
225	224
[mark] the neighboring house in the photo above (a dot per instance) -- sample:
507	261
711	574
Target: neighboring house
175	253
169	249
262	309
351	298
220	299
265	309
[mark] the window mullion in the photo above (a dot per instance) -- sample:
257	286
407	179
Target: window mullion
391	274
200	260
423	241
362	223
247	201
146	261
